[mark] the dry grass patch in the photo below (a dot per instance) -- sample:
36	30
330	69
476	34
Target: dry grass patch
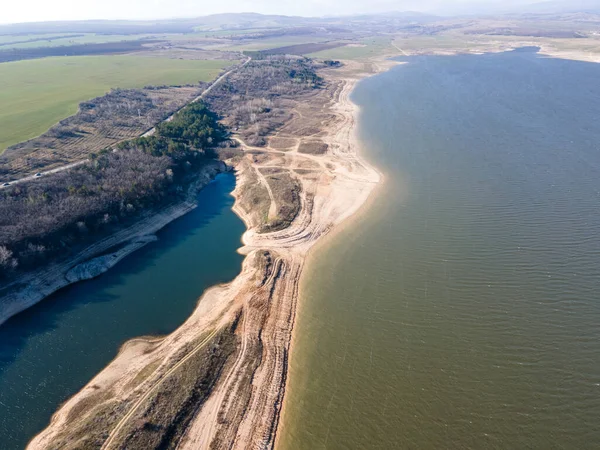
308	172
143	375
272	171
313	147
162	420
281	143
254	198
92	429
260	158
286	192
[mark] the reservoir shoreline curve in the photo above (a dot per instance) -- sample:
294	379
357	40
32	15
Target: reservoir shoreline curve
259	307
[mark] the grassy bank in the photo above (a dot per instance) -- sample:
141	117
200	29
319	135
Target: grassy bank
37	94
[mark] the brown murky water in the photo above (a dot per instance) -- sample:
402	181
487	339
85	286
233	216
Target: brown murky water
463	309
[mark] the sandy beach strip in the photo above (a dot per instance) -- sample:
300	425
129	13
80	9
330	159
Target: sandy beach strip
242	402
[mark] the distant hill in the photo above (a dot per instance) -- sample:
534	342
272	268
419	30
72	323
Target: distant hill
213	22
406	16
100	26
251	20
564	6
188	25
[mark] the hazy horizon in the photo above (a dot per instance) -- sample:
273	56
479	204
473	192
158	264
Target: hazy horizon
71	10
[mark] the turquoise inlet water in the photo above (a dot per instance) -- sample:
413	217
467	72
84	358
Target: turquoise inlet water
50	351
462	309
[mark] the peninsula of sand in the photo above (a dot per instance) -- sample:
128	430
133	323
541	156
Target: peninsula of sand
219	380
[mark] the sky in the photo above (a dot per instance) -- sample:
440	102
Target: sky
14	11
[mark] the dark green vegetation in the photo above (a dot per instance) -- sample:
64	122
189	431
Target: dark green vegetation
40	219
194	127
109	48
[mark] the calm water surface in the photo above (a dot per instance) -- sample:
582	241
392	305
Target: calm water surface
50	351
463	309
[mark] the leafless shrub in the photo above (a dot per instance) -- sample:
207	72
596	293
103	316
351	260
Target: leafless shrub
45	214
7	262
253	99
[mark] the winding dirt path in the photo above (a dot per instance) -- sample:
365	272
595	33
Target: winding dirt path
265	183
154	387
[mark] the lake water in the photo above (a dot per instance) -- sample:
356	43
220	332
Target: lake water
50	351
462	309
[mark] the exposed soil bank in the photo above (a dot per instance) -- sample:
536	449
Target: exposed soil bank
99	257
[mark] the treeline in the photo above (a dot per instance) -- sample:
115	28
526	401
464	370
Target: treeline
52	214
104	48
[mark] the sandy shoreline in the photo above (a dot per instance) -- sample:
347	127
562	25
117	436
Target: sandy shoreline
326	242
244	403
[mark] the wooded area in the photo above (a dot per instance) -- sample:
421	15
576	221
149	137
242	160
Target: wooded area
39	219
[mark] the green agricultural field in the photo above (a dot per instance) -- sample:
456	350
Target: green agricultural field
36	94
232	32
439	42
269	43
363	49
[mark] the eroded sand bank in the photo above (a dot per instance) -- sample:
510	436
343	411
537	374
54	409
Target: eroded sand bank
33	287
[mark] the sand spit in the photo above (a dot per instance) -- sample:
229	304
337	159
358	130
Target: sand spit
219	380
94	260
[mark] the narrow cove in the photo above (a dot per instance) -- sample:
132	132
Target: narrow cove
50	351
